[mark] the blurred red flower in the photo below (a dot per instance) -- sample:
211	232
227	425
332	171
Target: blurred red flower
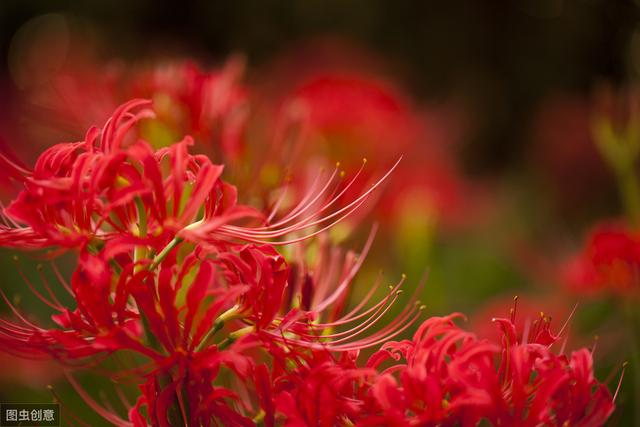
609	262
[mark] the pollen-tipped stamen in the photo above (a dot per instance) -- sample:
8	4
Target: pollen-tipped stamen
262	235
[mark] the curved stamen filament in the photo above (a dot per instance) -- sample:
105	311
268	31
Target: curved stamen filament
356	267
305	203
362	326
352	314
55	305
17	313
257	234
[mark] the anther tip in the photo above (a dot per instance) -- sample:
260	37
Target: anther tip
364	160
423	307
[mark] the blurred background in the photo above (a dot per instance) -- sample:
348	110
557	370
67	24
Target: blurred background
492	103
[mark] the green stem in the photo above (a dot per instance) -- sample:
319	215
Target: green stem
142	217
165	251
140	251
233	336
620	150
630	193
232	313
216	327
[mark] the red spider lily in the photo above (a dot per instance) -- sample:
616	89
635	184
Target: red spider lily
97	325
557	306
176	273
112	186
132	212
211	105
112	309
540	386
350	116
609	262
101	189
450	378
208	104
440	380
265	273
335	104
312	387
182	390
317	295
140	309
358	110
169	314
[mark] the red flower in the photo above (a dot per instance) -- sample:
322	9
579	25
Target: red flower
609	262
208	104
444	377
97	325
113	187
450	378
140	310
264	272
311	387
337	105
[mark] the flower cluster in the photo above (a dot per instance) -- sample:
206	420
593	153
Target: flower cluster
452	377
224	313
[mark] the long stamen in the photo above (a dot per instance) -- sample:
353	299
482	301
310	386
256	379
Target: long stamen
379	338
566	323
355	313
356	267
61	278
66	414
53	305
46	284
306	202
99	409
17	313
258	235
403	321
624	368
378	312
